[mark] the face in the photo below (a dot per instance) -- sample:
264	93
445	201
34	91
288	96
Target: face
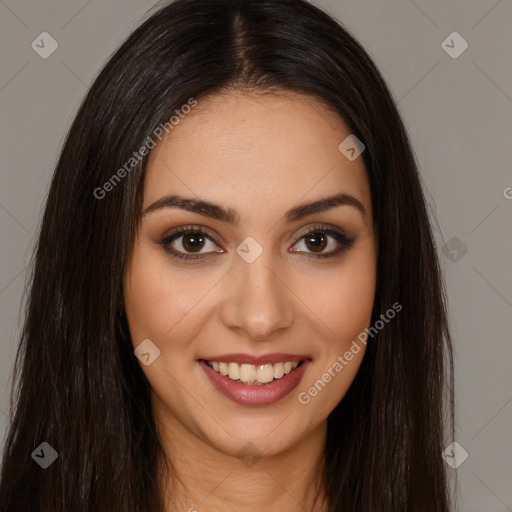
258	281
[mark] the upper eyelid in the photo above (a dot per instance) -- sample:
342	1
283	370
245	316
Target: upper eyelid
183	230
322	227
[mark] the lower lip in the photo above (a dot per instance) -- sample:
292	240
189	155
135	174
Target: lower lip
255	395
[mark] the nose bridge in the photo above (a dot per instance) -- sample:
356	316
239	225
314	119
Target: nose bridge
260	302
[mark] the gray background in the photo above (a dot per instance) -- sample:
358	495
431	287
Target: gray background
458	113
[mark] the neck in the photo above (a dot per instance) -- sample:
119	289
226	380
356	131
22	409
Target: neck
205	479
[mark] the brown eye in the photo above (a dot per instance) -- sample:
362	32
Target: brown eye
316	241
323	242
193	242
320	242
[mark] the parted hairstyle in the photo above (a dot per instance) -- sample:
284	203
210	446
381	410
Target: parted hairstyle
77	384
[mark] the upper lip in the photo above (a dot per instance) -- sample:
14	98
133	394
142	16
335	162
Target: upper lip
256	360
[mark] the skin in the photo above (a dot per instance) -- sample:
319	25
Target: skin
260	155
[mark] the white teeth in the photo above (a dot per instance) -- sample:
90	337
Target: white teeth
223	368
233	371
265	373
248	372
278	370
251	374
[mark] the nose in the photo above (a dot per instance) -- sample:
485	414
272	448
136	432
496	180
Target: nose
259	304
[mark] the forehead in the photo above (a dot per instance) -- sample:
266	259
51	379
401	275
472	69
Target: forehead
243	150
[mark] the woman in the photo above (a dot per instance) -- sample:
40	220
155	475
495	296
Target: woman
236	302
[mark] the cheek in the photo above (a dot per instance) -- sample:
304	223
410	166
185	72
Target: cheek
350	310
341	297
163	302
156	303
345	307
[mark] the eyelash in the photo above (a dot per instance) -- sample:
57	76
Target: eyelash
339	236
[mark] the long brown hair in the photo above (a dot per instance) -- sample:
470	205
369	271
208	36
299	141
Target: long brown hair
77	384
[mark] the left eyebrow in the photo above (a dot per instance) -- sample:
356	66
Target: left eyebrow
232	216
324	204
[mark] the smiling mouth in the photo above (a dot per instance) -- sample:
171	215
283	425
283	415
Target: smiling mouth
253	375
